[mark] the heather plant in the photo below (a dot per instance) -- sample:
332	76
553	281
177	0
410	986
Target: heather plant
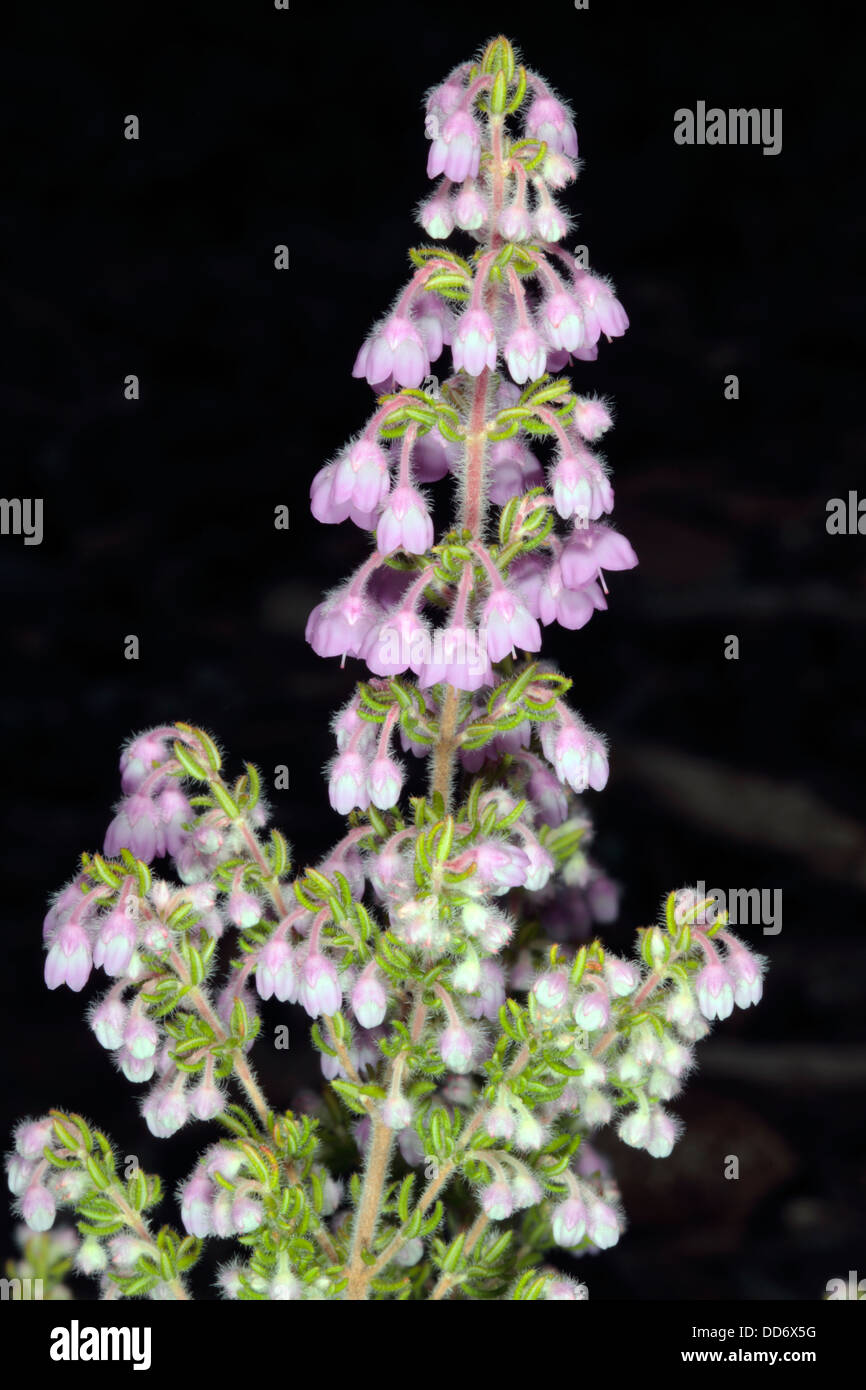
470	1048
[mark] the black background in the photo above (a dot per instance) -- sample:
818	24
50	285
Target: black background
155	257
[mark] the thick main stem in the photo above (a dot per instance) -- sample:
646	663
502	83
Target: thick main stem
443	753
381	1141
375	1177
445	748
472	519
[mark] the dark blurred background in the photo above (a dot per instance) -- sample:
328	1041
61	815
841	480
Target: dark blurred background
156	257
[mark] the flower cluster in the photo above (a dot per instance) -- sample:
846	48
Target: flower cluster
468	1025
517	311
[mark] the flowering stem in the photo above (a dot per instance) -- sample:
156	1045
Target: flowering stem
241	1066
498	171
447	1170
324	1239
379	1156
271	883
137	1224
345	1060
424	1201
205	1010
552	423
476	440
445	1173
381	1143
646	989
445	746
387	729
512	310
405	473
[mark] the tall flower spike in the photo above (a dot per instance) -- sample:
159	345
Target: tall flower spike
434	948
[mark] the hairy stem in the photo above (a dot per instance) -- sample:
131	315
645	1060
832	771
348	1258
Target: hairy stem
428	1196
143	1231
472	520
376	1173
445	747
242	1069
381	1141
345	1060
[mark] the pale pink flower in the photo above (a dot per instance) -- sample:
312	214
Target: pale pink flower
525	355
396	349
548	119
69	959
473	345
509	624
405	523
456	148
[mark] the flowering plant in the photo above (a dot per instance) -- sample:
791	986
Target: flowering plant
469	1052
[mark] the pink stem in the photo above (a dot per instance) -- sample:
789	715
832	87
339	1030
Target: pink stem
387	729
405	451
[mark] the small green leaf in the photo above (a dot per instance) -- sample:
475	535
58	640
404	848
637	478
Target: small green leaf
405	1197
453	1254
191	765
349	1094
227	802
254	786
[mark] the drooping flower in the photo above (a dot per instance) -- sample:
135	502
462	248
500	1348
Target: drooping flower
275	973
384	782
714	987
347	783
547	119
569	1223
139	759
361	476
459	656
497	1201
396	349
116	942
138	827
405	523
470	208
320	991
369	1000
69	959
590	550
509	624
456	148
437	216
602	312
561	321
38	1208
432	318
400	643
456	1048
338	626
746	970
578	756
525	355
473	346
